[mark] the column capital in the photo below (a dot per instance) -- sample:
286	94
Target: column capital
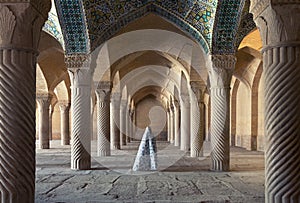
103	95
221	70
21	23
79	69
103	85
278	22
64	105
198	89
44	101
42	6
43	97
75	61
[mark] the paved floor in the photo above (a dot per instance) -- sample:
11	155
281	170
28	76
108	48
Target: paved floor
180	178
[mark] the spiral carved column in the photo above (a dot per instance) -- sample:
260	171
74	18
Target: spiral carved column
279	27
103	93
64	107
176	124
197	120
81	76
123	108
43	101
115	121
185	123
220	74
20	29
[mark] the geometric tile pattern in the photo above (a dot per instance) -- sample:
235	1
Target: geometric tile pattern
226	24
72	21
194	16
247	24
87	23
52	27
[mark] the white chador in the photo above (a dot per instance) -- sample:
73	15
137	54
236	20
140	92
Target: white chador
146	158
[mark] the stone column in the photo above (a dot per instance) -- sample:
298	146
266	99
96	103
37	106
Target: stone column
103	93
197	119
115	121
279	25
128	123
185	123
51	111
43	101
81	76
176	124
64	107
20	28
123	109
172	122
220	74
169	124
132	124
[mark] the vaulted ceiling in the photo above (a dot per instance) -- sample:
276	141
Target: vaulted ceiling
217	25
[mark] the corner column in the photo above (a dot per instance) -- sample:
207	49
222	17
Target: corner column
115	121
197	119
176	124
172	122
64	107
20	28
185	123
128	124
81	76
279	25
123	109
43	101
220	74
103	94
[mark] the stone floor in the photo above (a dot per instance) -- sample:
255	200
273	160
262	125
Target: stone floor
180	178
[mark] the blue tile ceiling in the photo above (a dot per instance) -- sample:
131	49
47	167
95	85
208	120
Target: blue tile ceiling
104	18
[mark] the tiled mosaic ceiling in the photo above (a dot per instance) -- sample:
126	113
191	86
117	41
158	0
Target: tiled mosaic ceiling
70	13
52	27
104	18
226	26
190	15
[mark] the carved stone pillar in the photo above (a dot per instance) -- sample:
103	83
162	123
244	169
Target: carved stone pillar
132	124
197	120
115	121
43	101
81	76
128	123
20	28
123	109
168	124
64	107
185	123
279	25
103	93
172	122
51	111
220	74
176	124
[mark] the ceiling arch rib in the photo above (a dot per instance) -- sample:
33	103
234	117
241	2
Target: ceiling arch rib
106	18
168	43
148	77
227	21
